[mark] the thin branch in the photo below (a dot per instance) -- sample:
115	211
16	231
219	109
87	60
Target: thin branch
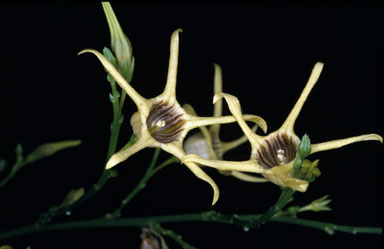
210	216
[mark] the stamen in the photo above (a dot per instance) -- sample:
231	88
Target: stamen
280	156
165	122
277	149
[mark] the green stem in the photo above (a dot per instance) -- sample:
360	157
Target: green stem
286	196
210	216
106	175
141	185
116	123
15	168
165	163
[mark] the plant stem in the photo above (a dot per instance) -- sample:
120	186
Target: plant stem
106	175
141	185
170	160
286	196
143	182
210	216
116	123
14	169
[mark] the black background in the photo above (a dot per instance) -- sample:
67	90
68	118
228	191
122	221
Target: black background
267	50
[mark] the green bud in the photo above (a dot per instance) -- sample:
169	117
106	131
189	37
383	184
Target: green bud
304	148
72	197
19	153
109	55
121	46
317	205
306	163
49	149
310	170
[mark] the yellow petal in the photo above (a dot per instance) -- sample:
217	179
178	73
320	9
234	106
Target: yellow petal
247	178
123	155
281	175
170	88
218	106
189	109
342	142
290	121
245	166
194	121
203	176
235	108
207	136
135	96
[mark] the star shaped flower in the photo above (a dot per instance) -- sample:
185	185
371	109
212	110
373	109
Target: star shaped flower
161	121
274	155
208	144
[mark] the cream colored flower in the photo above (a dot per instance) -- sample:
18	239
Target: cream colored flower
208	144
273	156
161	121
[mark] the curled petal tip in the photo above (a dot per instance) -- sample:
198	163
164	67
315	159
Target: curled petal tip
215	198
85	51
378	138
217	97
175	33
110	165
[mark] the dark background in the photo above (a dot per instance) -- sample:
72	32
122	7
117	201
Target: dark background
267	51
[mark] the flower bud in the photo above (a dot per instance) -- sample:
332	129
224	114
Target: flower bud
49	149
72	197
317	205
310	170
121	46
304	147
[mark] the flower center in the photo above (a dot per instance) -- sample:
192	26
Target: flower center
165	122
278	149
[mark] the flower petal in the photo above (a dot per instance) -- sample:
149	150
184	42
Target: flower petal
246	166
290	121
342	142
218	106
203	176
194	121
123	155
235	108
170	88
247	178
207	135
281	175
135	96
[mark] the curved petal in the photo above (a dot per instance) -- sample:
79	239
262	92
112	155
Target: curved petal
170	88
218	106
290	121
247	178
342	142
235	108
125	154
203	176
281	175
207	135
246	166
135	96
194	121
